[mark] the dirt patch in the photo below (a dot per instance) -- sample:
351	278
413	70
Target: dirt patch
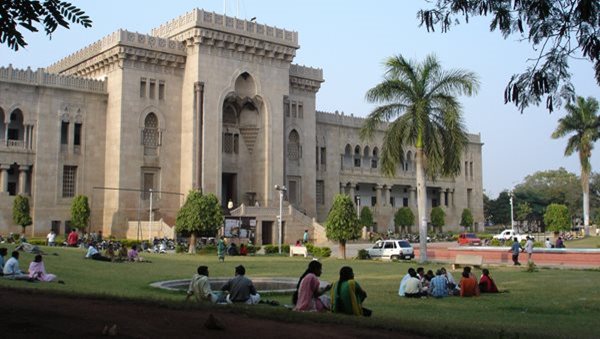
28	314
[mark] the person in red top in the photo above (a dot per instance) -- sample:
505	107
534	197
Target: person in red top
468	286
243	250
72	239
486	283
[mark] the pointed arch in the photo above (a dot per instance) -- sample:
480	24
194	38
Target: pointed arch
294	145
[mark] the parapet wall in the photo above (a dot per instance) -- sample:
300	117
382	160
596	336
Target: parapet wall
41	78
200	18
120	37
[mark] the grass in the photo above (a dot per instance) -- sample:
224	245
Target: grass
545	303
589	242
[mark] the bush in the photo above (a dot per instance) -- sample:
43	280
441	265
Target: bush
181	248
128	243
495	242
253	249
362	254
38	242
323	252
274	249
208	249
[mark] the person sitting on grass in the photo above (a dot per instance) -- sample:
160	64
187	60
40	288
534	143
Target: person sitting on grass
452	285
110	252
438	286
241	289
468	285
414	288
309	296
243	250
347	296
92	253
11	268
133	255
200	287
122	253
486	283
402	289
3	252
37	270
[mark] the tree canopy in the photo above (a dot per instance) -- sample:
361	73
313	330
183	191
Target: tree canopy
342	222
466	219
557	218
405	218
200	215
21	214
557	31
16	15
366	216
438	217
80	212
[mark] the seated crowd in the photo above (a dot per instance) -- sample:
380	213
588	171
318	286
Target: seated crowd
417	284
37	270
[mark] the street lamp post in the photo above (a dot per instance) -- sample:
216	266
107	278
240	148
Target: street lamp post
358	205
282	190
512	221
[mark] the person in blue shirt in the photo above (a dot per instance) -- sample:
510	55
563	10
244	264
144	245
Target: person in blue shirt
516	249
11	268
438	287
92	253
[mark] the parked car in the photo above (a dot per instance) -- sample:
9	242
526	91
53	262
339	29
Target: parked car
392	249
469	239
510	235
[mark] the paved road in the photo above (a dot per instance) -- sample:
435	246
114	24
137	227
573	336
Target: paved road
353	248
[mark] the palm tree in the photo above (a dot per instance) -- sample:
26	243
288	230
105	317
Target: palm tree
419	102
583	121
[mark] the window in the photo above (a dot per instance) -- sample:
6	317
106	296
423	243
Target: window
469	194
77	138
228	143
357	156
142	87
148	185
320	192
64	133
392	201
405	202
293	192
389	244
471	170
300	111
286	108
373	201
294	109
323	157
69	181
161	90
236	143
466	170
151	135
152	88
294	145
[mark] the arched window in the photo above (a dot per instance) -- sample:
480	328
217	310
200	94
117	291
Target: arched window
357	156
375	158
348	150
408	163
151	135
2	127
294	151
229	116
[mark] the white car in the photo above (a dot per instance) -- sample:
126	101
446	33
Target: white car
392	249
510	235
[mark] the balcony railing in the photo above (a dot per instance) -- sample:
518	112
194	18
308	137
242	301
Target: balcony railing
13	144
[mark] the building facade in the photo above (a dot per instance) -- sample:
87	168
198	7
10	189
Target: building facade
204	101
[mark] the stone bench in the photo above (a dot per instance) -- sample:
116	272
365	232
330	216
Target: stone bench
467	260
298	250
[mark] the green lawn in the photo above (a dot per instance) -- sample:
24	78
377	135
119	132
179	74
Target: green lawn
550	302
589	242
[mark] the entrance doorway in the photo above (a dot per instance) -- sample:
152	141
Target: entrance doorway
229	189
267	232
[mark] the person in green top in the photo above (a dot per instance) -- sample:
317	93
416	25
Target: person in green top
221	249
347	296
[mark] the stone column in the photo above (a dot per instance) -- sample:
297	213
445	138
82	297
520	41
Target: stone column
378	198
23	178
352	185
412	200
4	178
387	193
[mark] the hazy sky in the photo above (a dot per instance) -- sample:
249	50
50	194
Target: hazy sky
349	40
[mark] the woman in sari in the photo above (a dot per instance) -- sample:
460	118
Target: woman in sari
37	270
309	294
347	295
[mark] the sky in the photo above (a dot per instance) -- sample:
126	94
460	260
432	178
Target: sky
349	40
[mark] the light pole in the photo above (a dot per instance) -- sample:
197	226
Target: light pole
282	190
512	222
358	206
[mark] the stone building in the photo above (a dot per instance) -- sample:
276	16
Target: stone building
135	121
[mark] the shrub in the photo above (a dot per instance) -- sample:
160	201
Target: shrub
495	242
181	248
274	249
38	242
128	243
362	254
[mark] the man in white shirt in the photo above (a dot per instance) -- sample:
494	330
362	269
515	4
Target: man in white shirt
529	248
200	287
548	244
11	268
51	238
401	290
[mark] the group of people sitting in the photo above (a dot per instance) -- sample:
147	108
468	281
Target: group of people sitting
121	255
418	284
37	270
346	295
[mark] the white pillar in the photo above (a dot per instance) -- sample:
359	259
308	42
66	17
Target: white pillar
23	178
4	178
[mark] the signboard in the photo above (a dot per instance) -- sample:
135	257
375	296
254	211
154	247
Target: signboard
240	227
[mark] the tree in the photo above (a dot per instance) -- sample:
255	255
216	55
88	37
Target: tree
366	216
404	218
500	209
27	14
523	212
466	219
557	218
556	30
582	121
21	215
342	222
80	212
421	100
438	219
200	215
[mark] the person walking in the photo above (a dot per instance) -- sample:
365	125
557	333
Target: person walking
515	249
221	249
529	248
